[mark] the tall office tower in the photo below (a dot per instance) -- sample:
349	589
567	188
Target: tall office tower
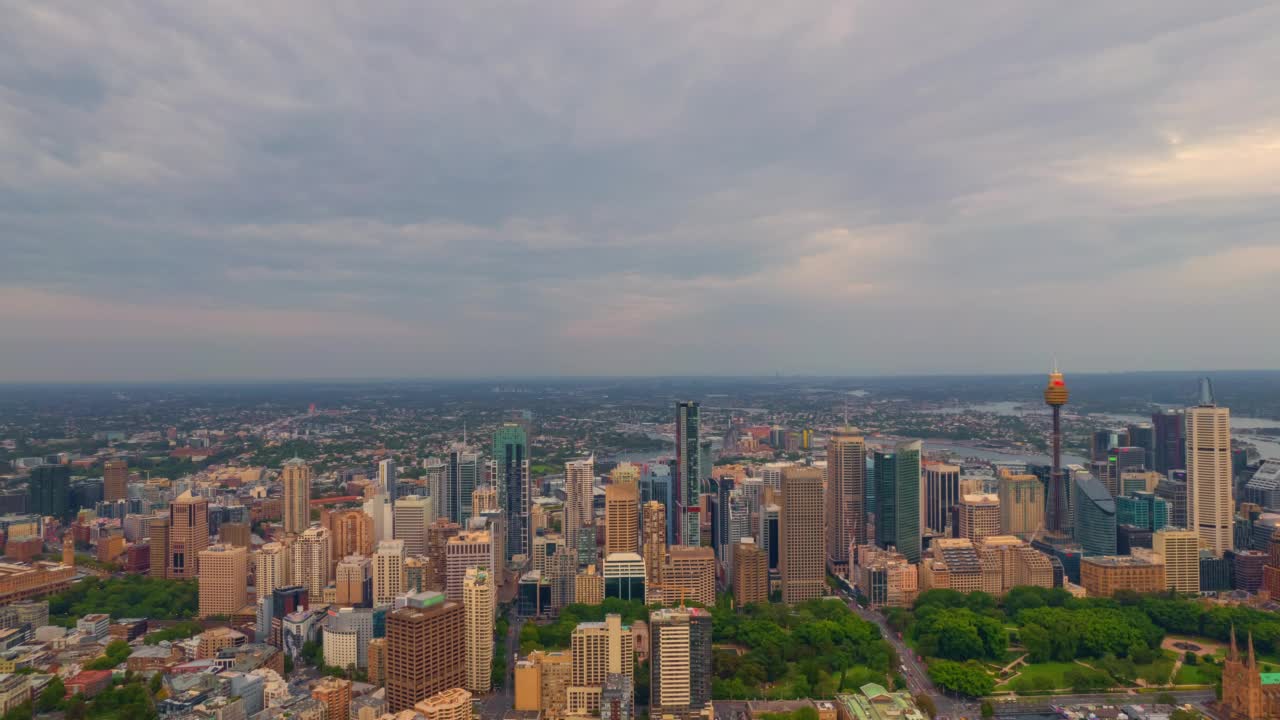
941	493
468	549
388	479
1143	510
515	491
884	473
1181	552
484	501
188	535
426	649
1143	435
846	490
438	536
412	515
750	574
599	649
271	568
721	489
801	556
771	473
1171	440
625	473
680	670
1022	511
979	516
621	517
770	517
115	480
479	603
224	579
1209	487
158	536
1056	521
655	542
388	572
690	575
579	491
355	581
689	473
464	474
1095	516
49	490
351	532
309	559
1105	440
296	476
436	480
335	695
907	512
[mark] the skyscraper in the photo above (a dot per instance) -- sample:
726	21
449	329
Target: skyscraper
188	535
979	516
1143	435
1171	441
515	492
1209	488
907	499
1095	516
464	473
846	492
579	490
224	573
801	544
1181	552
49	490
689	473
468	549
388	572
352	533
412	515
599	649
680	670
296	477
750	574
271	568
426	649
354	579
885	473
941	493
1055	396
115	480
387	478
655	541
621	517
1022	511
478	602
310	560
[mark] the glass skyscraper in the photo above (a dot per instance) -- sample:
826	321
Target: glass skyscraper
511	476
689	473
1095	516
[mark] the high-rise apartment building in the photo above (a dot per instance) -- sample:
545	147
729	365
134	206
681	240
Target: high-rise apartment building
426	649
690	575
468	549
188	535
625	473
1181	552
352	533
451	704
690	473
335	695
801	550
388	572
621	517
1209	474
115	480
411	516
680	665
655	541
479	603
158	537
979	516
599	649
1022	510
846	514
224	579
515	492
750	574
354	581
296	477
941	493
579	504
309	560
271	568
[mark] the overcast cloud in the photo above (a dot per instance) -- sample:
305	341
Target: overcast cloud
292	189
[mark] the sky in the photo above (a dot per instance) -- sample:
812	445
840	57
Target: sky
299	190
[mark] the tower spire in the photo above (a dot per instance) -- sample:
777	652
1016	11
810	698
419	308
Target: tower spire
1235	652
1253	660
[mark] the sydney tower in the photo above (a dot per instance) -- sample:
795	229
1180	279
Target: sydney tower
1055	396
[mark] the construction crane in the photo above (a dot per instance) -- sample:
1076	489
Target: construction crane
684	592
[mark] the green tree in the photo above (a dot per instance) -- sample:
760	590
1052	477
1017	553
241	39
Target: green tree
987	709
967	678
53	695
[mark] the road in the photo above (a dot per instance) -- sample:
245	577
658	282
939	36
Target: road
496	704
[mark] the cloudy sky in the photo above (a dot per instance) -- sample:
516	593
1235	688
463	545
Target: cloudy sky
285	190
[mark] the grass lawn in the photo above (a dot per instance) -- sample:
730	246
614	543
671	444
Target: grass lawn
1198	675
1162	668
1054	671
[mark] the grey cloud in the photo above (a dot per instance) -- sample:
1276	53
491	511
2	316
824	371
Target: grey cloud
593	182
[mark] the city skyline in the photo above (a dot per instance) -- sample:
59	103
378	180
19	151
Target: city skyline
199	193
